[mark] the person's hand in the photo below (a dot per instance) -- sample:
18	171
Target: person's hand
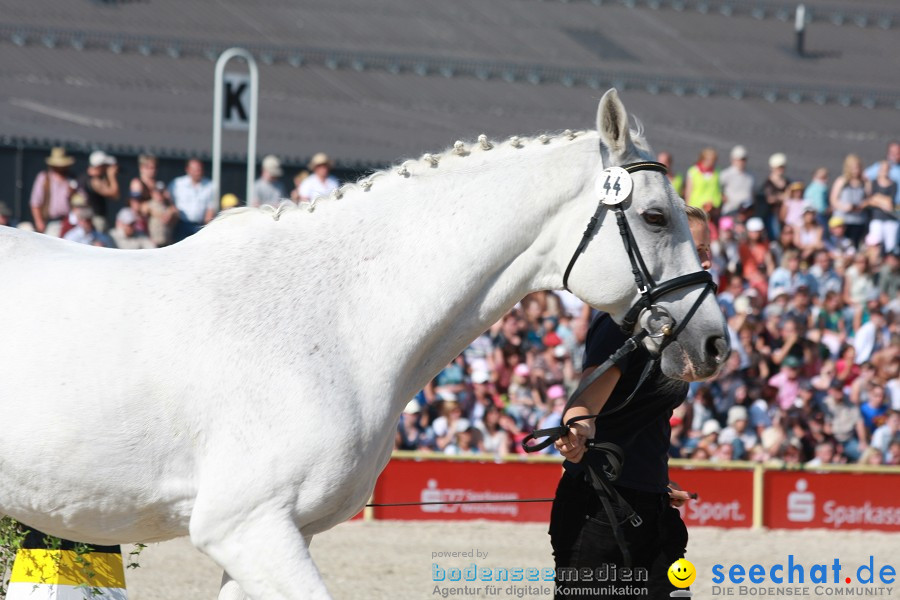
572	445
111	170
677	498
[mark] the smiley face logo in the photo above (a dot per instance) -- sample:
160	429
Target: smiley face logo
682	573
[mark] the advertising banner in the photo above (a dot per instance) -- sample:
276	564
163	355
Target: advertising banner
725	497
798	500
451	482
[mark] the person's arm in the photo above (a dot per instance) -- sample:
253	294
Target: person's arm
591	402
108	187
687	186
37	201
303	190
861	433
835	199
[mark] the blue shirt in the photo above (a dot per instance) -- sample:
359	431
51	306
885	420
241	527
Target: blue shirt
817	195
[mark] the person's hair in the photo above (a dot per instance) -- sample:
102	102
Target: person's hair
707	153
848	164
696	214
789	255
146	159
188	162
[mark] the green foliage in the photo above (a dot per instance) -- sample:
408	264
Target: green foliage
11	537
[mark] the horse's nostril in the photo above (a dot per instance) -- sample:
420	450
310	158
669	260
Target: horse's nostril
718	348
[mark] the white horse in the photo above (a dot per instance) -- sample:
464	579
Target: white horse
243	386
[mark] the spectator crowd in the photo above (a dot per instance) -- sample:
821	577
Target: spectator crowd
808	273
150	213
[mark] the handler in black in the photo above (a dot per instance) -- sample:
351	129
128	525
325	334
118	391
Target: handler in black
580	529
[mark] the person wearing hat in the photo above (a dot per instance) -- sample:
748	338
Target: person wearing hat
787	381
838	244
268	189
51	192
774	192
411	435
737	432
320	183
582	533
793	205
101	185
756	255
229	201
737	184
84	231
126	236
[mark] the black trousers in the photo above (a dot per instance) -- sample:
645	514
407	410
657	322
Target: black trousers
582	537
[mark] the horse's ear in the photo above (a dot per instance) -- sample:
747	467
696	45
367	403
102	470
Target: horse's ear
612	124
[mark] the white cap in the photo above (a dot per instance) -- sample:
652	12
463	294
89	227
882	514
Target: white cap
462	425
481	377
736	413
738	153
271	164
126	216
98	158
710	426
755	224
777	160
412	407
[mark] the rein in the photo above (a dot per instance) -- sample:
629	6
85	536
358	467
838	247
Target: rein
655	321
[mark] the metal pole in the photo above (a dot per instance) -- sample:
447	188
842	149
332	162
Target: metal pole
20	182
218	93
800	27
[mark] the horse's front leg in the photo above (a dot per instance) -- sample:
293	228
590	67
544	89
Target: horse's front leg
262	551
231	590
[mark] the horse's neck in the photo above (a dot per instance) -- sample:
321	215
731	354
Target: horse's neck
440	255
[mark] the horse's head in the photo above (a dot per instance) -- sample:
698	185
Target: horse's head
671	301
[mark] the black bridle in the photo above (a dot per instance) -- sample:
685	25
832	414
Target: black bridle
655	321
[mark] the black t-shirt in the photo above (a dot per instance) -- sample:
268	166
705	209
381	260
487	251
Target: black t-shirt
642	428
95	199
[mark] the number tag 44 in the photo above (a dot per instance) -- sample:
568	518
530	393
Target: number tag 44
614	186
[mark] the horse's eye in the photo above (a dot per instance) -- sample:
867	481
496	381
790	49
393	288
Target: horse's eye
655	218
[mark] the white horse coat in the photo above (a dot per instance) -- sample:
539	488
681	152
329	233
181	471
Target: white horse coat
243	386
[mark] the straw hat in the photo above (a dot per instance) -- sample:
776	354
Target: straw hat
59	158
320	158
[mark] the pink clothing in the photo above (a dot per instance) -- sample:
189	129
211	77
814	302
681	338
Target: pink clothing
60	190
787	390
793	211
